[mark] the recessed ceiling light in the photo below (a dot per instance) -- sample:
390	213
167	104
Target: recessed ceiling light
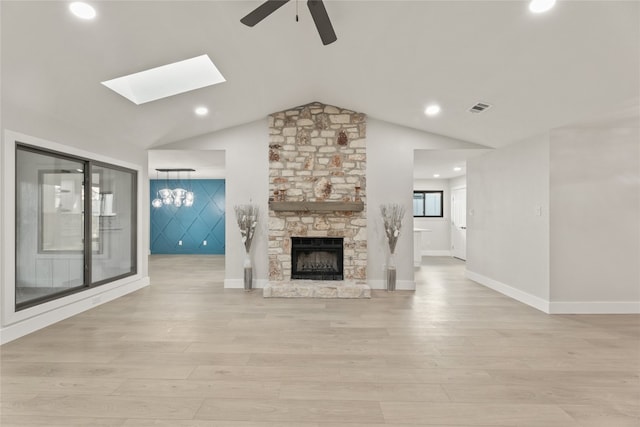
432	110
202	111
82	10
457	169
436	175
540	6
167	80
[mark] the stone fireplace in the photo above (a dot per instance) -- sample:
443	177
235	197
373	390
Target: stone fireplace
317	188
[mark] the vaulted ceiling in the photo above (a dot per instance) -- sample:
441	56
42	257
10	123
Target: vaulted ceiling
391	59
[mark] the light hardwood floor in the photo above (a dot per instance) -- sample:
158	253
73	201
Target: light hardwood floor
186	352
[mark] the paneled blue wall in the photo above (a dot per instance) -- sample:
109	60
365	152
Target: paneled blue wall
204	221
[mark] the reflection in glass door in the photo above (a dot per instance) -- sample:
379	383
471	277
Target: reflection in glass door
113	216
49	225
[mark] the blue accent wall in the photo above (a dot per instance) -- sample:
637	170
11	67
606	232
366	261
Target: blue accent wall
193	225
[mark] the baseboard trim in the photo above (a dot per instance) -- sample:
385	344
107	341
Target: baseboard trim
401	285
559	307
594	307
436	253
24	327
239	283
516	294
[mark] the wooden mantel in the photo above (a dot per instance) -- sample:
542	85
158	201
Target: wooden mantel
326	206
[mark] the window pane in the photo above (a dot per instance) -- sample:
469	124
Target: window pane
433	204
113	216
49	225
418	204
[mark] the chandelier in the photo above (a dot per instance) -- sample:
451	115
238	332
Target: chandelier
177	197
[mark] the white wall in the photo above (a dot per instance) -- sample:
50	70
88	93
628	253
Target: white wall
247	180
438	240
508	220
42	128
390	152
389	180
595	220
458	182
46	126
16	324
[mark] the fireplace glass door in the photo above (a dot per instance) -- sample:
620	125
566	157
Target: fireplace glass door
317	258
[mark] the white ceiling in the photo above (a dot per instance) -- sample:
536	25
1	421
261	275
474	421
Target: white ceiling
426	163
391	59
208	164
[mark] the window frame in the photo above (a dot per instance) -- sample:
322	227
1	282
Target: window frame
424	199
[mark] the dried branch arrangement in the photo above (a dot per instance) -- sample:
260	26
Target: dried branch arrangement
247	217
392	215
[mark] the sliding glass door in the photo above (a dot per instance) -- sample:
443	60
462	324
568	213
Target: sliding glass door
49	226
113	214
59	249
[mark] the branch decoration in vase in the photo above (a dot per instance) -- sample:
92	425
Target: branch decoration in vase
392	215
247	218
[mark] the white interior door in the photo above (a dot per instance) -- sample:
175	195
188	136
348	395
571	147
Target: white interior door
459	223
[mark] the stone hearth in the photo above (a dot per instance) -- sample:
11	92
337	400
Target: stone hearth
316	289
317	154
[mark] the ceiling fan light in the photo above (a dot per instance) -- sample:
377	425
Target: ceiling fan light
316	8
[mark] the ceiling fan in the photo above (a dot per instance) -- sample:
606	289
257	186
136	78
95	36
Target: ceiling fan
316	7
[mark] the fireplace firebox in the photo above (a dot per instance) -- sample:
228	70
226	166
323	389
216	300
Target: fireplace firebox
317	258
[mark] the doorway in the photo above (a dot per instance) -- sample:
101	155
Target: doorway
459	223
440	239
178	227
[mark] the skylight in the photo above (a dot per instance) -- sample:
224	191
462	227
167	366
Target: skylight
167	80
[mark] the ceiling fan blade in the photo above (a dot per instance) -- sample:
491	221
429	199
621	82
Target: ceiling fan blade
321	19
262	11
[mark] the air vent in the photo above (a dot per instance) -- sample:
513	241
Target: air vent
479	107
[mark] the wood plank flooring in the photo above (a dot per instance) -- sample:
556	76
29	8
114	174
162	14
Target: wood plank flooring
186	352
